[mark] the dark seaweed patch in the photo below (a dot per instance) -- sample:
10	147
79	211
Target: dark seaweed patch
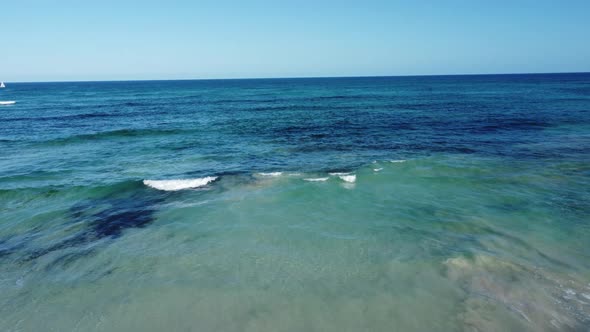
7	248
105	218
116	134
112	222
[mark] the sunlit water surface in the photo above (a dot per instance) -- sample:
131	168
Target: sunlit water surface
367	204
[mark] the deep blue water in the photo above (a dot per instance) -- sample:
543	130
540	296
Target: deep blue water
249	125
481	220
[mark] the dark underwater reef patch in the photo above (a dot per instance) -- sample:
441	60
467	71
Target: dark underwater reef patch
8	246
114	134
117	209
117	216
114	216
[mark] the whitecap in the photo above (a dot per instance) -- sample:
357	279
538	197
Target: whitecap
173	185
339	173
10	102
348	178
316	179
378	169
398	161
570	291
273	174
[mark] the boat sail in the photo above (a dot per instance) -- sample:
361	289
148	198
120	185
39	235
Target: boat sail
2	103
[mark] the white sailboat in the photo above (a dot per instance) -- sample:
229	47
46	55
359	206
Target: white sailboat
10	102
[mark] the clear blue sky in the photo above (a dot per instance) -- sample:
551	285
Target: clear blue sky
108	39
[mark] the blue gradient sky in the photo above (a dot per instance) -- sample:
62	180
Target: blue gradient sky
112	40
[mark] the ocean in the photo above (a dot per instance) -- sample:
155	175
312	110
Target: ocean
432	203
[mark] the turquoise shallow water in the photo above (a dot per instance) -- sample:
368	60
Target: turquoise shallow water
454	203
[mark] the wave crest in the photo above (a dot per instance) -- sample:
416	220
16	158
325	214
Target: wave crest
271	174
316	179
174	185
348	178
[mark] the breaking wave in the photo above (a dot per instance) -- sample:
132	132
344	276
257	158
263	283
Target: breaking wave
174	185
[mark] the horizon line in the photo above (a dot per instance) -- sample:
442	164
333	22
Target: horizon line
297	77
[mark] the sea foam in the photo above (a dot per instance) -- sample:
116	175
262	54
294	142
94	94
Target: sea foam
339	173
174	185
271	174
348	178
316	179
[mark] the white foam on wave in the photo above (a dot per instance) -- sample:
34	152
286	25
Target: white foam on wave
9	102
174	185
348	178
378	169
339	173
316	179
398	161
271	174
